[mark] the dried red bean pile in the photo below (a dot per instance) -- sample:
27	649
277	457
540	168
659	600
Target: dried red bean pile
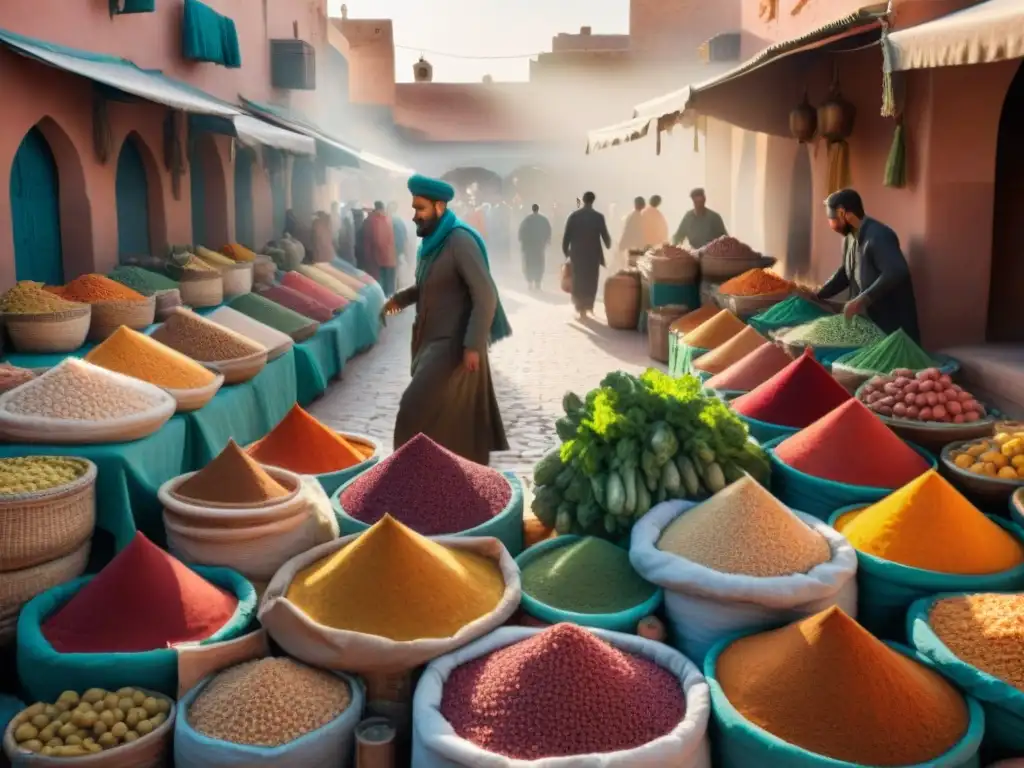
726	247
429	489
560	693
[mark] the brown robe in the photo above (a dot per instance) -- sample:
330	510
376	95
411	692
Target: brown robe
454	310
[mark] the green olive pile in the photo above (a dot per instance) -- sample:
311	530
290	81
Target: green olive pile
93	722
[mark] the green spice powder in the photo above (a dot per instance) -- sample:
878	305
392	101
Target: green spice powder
835	331
142	280
897	350
270	313
787	314
588	576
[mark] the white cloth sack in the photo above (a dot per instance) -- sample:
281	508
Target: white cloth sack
704	606
356	652
436	745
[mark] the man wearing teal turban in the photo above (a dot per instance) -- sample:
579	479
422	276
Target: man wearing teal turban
458	316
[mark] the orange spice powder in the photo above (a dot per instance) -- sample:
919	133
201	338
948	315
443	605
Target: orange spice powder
300	443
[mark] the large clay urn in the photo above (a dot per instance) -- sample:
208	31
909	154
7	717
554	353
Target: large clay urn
836	116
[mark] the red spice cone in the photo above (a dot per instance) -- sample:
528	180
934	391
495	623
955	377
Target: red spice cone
797	396
751	371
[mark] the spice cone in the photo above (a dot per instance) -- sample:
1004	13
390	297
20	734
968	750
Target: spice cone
301	444
232	478
751	371
716	331
732	351
692	320
797	396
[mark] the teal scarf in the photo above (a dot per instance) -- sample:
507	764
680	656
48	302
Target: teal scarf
430	249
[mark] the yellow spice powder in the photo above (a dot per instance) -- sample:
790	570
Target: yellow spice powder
136	354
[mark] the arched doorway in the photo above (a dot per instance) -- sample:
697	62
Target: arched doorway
132	195
1007	278
35	211
208	190
303	188
801	217
244	224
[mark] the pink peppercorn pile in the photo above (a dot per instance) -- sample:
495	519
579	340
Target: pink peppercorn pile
560	693
429	489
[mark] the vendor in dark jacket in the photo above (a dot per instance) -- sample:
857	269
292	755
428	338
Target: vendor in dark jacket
873	267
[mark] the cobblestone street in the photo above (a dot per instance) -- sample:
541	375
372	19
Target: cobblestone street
548	353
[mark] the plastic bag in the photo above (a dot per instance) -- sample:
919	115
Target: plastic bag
566	277
703	605
436	745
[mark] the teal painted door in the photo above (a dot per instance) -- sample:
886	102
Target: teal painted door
132	202
302	188
244	228
35	212
198	184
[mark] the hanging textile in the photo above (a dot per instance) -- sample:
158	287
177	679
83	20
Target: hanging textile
208	36
121	7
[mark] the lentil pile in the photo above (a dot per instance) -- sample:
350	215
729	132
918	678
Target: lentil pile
391	582
28	298
744	530
732	351
143	281
428	488
797	396
96	721
560	693
302	444
716	331
31	474
751	371
270	313
587	576
693	320
755	282
897	350
233	478
790	313
928	524
835	331
313	290
828	686
142	600
81	391
202	339
296	302
283	701
985	631
850	445
136	354
88	289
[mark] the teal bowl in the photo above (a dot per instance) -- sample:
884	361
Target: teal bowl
621	621
762	431
332	481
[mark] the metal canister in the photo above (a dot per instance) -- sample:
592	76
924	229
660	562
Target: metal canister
375	743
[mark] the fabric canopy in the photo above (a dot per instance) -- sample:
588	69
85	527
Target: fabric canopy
982	34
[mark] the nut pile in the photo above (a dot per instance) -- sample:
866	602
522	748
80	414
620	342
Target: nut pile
97	720
202	339
1002	456
726	247
80	391
27	298
928	395
28	474
283	700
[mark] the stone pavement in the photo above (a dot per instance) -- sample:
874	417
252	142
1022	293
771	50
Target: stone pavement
547	354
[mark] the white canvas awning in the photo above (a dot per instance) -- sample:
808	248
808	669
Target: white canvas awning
252	131
982	34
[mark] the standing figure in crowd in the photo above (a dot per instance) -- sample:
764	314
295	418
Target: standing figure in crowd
585	231
401	243
633	230
458	316
300	231
534	239
323	243
654	225
701	225
379	242
358	218
347	236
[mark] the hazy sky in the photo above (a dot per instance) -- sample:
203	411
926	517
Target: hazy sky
483	28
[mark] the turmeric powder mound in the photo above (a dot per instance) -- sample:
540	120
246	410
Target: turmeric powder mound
826	685
136	354
302	444
744	530
985	631
732	351
232	478
715	332
693	320
928	524
392	582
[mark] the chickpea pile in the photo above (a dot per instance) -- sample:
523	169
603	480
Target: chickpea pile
93	722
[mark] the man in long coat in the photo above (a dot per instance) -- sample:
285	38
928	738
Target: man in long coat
585	231
379	244
534	238
458	315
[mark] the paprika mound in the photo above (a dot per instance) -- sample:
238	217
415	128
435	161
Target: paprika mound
716	331
692	320
734	350
560	693
929	524
428	488
297	302
985	631
301	444
745	530
825	684
797	396
751	371
755	282
232	478
850	445
143	600
313	290
136	354
95	287
391	582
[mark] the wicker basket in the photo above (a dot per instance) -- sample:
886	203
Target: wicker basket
194	399
716	268
991	489
191	512
659	322
237	279
241	368
150	751
49	331
674	269
18	587
748	306
201	288
44	525
622	300
108	316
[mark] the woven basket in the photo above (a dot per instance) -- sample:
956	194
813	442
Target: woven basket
748	306
230	515
993	489
166	302
49	331
108	316
658	323
150	751
237	279
716	268
674	269
241	368
200	288
194	399
18	587
44	525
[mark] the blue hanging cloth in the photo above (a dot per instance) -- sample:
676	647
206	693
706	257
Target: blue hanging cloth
208	36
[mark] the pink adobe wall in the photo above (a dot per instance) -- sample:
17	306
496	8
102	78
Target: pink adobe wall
677	24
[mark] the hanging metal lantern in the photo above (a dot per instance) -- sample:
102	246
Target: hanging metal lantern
836	115
803	121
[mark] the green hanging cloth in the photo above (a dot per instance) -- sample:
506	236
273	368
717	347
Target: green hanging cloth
208	36
896	163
